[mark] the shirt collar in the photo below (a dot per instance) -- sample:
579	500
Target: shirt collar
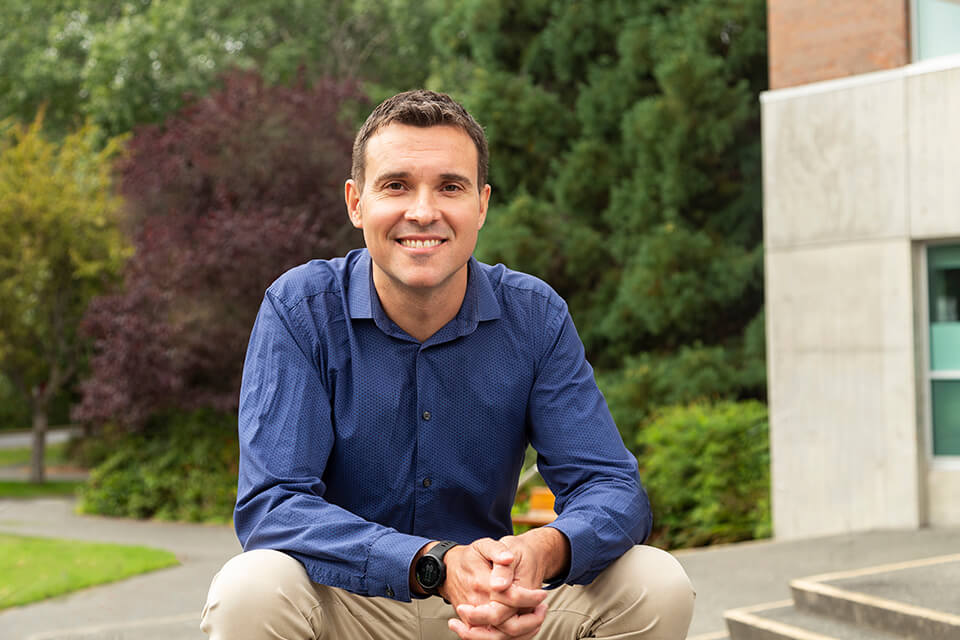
479	302
360	287
487	306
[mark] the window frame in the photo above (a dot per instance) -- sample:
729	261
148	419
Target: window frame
937	462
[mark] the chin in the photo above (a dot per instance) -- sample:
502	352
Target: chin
423	283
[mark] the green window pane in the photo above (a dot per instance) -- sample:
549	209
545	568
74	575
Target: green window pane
938	26
945	346
944	278
946	417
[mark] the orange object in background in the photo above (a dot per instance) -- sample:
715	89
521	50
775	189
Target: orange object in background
541	499
541	509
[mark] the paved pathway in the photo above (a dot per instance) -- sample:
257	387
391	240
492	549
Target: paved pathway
163	604
20	439
24	439
166	604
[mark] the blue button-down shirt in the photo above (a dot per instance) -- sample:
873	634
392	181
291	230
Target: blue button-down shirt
359	444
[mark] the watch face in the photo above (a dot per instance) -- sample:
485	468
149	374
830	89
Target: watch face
428	572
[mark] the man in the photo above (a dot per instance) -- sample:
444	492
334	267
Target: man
387	401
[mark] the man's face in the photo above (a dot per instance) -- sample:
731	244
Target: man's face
420	209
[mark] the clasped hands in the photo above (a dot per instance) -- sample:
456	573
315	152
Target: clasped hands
495	586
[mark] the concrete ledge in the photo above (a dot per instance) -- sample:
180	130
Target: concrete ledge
746	624
816	596
823	611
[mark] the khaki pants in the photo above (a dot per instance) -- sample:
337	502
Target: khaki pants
267	594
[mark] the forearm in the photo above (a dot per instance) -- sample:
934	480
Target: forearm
336	547
601	524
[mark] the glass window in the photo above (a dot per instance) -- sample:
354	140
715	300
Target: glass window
944	278
946	417
943	263
938	28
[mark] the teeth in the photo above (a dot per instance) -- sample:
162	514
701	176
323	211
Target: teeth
420	244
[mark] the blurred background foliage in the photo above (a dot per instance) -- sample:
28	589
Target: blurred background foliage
625	165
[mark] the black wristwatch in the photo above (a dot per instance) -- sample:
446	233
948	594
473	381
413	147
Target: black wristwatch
430	570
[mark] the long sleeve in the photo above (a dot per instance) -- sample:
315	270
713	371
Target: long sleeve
286	437
602	507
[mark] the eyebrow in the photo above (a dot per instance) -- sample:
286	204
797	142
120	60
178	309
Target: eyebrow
402	175
456	177
391	175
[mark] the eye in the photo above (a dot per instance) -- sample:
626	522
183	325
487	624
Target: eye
451	188
394	186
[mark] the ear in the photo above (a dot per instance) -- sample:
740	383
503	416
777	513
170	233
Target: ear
484	202
351	194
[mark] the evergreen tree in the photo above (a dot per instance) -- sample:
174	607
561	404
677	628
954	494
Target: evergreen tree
625	164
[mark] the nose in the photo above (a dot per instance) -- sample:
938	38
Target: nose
423	211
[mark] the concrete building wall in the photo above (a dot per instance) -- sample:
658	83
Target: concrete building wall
814	40
840	377
944	496
933	119
857	173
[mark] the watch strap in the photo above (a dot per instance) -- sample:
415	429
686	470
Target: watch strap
440	549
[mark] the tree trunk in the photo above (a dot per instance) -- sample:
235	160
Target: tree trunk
37	467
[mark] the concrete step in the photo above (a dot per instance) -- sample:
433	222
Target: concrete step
917	599
783	621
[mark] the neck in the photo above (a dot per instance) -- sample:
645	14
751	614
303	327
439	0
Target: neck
421	312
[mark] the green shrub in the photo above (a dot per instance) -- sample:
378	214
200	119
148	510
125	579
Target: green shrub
693	373
706	468
184	467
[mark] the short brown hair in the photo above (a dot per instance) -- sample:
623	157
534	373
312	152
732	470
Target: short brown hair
420	108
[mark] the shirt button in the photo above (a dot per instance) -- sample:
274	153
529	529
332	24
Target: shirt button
426	415
389	592
427	482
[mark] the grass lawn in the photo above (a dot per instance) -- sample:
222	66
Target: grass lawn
22	489
36	568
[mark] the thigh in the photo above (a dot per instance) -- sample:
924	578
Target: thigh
434	614
645	594
348	615
264	594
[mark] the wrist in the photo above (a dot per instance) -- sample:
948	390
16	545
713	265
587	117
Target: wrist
429	568
553	551
414	585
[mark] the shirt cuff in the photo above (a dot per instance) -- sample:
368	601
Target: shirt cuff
388	565
582	540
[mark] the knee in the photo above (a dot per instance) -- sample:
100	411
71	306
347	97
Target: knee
256	587
660	569
658	581
256	577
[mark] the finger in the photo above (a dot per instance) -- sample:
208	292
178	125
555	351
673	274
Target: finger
500	612
519	597
501	577
493	550
525	624
458	627
466	632
490	614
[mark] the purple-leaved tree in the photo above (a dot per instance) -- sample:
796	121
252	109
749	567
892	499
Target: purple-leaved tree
222	197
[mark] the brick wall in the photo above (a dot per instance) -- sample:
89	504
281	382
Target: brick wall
812	40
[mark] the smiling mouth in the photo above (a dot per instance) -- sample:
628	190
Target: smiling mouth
421	244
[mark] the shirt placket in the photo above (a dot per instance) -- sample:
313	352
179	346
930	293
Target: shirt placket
426	416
